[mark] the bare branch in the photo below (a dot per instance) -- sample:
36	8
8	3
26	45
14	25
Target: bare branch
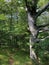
44	38
42	10
41	26
45	29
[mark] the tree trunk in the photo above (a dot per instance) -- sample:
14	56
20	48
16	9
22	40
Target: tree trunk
32	16
33	30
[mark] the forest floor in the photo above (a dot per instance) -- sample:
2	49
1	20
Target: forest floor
14	57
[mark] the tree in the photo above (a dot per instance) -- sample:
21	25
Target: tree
11	22
17	29
33	14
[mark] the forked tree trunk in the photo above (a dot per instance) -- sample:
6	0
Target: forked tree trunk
33	30
32	16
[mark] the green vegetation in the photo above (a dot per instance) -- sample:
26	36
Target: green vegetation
14	56
14	34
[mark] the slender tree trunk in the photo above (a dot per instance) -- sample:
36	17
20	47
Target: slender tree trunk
33	55
33	32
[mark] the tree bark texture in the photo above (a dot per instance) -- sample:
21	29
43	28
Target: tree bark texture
34	29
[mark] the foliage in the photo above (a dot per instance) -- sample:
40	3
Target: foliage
13	28
16	55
